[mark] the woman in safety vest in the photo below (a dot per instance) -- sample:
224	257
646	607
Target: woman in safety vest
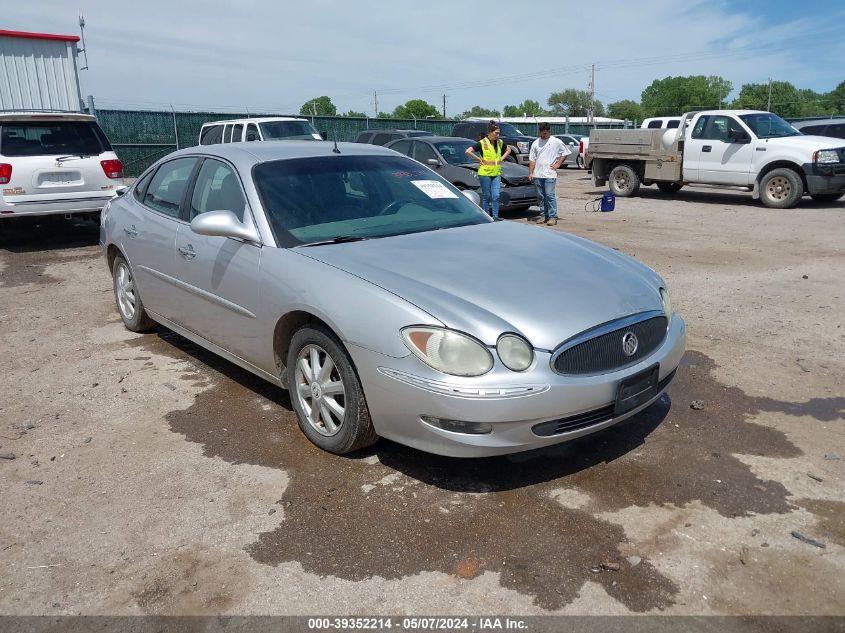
490	171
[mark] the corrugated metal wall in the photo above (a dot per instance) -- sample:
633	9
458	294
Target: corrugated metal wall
38	74
142	137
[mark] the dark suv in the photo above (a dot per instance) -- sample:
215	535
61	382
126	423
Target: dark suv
519	143
383	137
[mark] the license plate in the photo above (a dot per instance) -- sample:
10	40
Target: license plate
58	178
636	389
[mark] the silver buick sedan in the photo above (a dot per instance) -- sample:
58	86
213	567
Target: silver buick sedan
385	301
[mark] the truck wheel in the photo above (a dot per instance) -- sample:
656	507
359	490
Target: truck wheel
669	187
623	181
781	189
827	197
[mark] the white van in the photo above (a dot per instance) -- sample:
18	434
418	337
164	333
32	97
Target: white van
259	129
669	122
55	163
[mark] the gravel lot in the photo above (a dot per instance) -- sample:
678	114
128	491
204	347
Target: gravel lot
149	476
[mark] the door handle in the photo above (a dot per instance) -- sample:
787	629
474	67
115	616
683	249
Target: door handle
707	148
188	251
131	231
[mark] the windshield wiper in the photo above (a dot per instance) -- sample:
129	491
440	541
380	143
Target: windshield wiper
340	239
62	159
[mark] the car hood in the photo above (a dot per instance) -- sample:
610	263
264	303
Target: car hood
811	143
503	277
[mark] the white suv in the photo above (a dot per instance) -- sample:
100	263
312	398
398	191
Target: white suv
55	163
277	128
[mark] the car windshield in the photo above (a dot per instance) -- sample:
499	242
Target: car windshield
455	152
509	130
41	138
287	130
768	125
340	198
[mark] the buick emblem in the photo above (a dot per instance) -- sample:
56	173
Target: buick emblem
629	343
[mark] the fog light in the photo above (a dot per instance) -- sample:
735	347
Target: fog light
458	426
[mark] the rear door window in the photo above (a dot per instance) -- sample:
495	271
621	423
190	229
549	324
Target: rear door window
237	133
167	186
43	138
403	147
655	124
381	138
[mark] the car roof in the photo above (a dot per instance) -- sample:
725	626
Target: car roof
799	124
32	115
249	153
392	130
434	139
261	119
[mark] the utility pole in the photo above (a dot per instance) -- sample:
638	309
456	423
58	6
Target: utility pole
444	106
375	99
591	111
769	105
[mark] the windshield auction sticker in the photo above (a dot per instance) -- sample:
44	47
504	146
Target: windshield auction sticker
433	189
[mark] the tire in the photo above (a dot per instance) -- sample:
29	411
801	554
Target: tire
341	423
827	197
623	181
781	189
579	161
669	187
128	300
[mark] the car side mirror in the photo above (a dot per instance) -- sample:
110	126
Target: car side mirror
224	224
472	196
738	136
433	162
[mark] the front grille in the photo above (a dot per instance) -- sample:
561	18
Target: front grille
585	420
518	181
604	352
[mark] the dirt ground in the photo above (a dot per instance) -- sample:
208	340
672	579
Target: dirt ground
151	477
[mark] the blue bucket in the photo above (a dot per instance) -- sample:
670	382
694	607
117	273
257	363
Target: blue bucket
608	201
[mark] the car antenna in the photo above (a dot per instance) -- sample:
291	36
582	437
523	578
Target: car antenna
335	149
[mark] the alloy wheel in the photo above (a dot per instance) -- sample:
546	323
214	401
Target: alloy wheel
125	287
320	390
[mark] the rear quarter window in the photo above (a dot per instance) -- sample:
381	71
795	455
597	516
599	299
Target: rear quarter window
212	135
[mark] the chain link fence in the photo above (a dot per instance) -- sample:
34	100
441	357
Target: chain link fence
141	137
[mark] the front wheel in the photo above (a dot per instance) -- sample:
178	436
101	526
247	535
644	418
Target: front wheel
781	189
827	197
623	181
326	393
129	303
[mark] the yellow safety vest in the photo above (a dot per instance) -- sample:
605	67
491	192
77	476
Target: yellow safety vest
490	158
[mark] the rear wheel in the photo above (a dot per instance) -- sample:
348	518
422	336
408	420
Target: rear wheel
623	181
326	393
669	187
781	189
827	197
580	162
129	303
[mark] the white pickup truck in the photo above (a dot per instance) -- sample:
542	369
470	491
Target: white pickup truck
746	149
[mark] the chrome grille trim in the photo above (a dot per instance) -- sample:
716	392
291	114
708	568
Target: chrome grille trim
603	364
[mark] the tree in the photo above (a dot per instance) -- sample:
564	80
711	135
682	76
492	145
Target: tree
318	106
786	100
526	108
626	109
835	99
571	102
478	111
672	96
359	115
415	109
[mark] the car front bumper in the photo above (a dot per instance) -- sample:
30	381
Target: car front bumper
400	391
822	179
518	196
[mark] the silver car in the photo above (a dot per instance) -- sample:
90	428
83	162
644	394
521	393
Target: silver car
385	301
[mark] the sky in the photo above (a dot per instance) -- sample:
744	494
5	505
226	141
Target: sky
258	56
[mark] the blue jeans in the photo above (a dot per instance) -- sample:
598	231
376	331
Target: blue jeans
547	198
490	186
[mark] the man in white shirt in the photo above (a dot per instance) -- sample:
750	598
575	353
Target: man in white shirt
544	159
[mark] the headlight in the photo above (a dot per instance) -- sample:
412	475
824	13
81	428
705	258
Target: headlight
826	156
523	146
448	351
667	302
515	352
